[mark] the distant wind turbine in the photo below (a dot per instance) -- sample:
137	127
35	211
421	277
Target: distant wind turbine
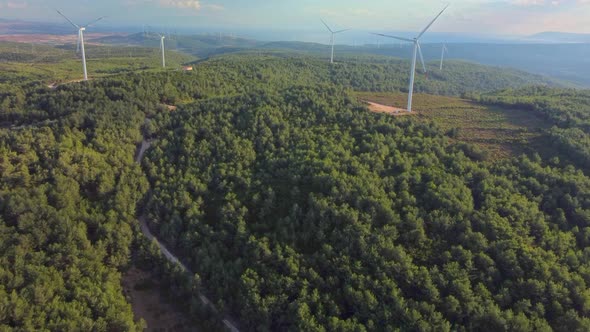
332	35
442	55
80	43
417	50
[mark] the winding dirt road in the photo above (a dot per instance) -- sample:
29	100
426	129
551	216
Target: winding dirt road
145	145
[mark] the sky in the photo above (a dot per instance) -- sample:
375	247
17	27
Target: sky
494	17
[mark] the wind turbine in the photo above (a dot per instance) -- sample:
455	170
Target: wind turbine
442	55
417	50
332	34
80	46
162	37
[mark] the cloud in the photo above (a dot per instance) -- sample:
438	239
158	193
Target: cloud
548	3
528	3
183	4
217	8
194	5
14	5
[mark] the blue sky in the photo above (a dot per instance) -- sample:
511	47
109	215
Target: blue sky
504	17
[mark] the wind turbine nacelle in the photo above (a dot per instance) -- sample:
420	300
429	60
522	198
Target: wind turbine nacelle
82	29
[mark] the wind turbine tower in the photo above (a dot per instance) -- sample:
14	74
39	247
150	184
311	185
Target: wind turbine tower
162	37
80	43
417	50
332	39
442	55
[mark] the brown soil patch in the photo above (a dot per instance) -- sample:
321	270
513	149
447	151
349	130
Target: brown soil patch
149	303
380	108
54	85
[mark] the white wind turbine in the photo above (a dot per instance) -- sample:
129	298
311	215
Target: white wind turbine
162	37
80	46
417	50
332	35
442	55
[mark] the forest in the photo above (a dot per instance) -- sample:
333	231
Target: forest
323	217
68	191
296	208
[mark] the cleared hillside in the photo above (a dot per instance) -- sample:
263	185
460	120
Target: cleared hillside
497	132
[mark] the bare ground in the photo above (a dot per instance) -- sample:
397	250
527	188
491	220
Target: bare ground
149	304
380	108
54	85
171	108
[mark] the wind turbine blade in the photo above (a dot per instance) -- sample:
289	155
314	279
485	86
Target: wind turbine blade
431	23
421	57
326	26
93	22
72	23
394	37
339	31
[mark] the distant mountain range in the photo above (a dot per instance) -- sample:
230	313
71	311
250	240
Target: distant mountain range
8	27
20	27
560	37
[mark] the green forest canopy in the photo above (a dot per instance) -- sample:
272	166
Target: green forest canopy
297	208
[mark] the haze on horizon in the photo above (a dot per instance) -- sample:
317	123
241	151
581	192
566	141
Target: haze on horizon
494	17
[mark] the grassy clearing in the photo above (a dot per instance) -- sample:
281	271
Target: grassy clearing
501	132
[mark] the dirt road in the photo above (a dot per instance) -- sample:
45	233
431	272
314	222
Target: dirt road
145	145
